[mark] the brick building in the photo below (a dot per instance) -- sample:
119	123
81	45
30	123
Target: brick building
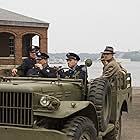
16	36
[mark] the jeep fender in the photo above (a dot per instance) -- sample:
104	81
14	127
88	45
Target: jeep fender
73	108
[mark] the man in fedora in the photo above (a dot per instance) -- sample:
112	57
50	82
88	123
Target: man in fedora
112	66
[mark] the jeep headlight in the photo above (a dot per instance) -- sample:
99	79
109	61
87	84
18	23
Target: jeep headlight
44	101
49	102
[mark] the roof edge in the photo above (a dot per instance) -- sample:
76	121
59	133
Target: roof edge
25	24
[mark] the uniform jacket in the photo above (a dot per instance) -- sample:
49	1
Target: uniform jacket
78	73
27	64
47	72
111	68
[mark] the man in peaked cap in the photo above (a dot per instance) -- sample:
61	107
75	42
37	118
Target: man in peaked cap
112	66
36	48
42	68
41	56
72	56
27	63
74	71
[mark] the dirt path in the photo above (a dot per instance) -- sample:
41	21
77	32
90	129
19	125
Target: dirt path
131	121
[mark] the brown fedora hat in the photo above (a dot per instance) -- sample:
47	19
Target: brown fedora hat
109	49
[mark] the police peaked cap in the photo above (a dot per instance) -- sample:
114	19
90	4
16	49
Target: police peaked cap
72	56
34	49
42	56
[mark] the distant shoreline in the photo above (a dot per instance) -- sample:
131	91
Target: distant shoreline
136	87
135	90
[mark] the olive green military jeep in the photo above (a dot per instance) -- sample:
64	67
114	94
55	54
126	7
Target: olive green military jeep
34	108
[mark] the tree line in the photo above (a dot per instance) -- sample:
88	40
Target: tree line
132	55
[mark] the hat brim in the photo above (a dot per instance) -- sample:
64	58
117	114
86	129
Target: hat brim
108	52
32	51
42	58
71	57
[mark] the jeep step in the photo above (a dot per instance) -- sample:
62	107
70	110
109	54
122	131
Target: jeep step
110	127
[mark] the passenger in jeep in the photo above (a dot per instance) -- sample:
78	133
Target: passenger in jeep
75	71
27	64
42	68
112	66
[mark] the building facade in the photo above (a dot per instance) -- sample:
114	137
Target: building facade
16	36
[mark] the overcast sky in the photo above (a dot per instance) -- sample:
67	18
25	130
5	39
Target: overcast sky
85	25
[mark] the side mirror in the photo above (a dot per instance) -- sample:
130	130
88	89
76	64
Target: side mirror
88	62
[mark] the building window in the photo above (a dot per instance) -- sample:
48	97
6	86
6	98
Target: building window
12	45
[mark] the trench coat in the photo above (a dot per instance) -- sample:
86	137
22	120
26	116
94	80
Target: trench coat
111	68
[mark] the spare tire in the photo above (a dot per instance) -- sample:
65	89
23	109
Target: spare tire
100	95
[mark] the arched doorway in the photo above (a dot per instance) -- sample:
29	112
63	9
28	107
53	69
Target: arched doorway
7	44
29	40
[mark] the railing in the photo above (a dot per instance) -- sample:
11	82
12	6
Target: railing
16	109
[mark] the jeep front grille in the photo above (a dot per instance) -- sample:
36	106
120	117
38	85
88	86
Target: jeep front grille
16	109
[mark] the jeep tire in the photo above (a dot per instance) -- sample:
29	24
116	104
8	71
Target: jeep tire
100	95
80	128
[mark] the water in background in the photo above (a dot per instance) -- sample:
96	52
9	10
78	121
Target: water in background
133	67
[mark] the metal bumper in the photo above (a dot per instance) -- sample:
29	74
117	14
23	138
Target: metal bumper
15	133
